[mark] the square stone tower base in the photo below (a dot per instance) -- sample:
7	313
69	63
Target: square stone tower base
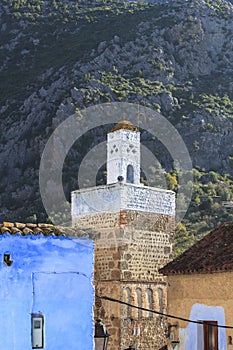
135	227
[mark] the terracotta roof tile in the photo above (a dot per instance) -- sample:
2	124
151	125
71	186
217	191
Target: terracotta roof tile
44	229
4	230
19	225
8	224
32	226
26	231
37	231
211	254
14	230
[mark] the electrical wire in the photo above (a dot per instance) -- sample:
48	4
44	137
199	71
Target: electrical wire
161	313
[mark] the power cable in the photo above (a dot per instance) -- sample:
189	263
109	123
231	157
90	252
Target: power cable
161	313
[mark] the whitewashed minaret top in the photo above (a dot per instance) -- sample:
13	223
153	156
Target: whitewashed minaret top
123	154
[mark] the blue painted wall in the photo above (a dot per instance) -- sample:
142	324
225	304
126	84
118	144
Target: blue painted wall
49	275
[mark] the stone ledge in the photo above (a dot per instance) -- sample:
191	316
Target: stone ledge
120	196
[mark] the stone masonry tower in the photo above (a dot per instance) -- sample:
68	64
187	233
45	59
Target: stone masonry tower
135	228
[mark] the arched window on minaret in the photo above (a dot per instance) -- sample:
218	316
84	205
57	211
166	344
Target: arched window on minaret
126	298
149	302
139	302
130	174
160	297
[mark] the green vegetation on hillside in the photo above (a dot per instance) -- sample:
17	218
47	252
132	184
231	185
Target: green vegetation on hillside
71	11
210	192
61	38
58	57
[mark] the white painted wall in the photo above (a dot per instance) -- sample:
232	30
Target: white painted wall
122	196
123	149
191	338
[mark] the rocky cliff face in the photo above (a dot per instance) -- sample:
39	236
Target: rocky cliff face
175	57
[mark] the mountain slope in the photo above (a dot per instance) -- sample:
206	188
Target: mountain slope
175	57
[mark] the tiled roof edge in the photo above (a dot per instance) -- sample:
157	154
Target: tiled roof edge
168	272
26	229
174	267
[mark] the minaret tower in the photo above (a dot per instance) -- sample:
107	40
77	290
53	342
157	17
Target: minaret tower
123	154
134	227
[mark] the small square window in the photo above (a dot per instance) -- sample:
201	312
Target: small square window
37	324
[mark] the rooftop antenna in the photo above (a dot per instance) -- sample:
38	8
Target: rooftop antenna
140	114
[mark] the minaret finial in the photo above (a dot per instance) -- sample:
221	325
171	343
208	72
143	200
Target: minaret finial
139	114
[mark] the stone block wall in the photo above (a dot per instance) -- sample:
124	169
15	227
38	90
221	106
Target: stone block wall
109	312
141	329
107	264
130	326
129	250
149	240
131	246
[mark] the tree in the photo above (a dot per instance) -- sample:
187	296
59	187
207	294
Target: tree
183	239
